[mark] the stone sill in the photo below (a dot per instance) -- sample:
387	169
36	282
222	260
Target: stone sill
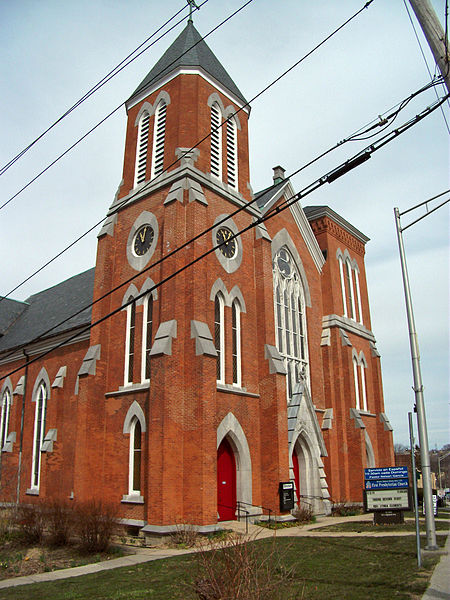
232	389
132	499
129	389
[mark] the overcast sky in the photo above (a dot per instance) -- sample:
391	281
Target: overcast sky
53	52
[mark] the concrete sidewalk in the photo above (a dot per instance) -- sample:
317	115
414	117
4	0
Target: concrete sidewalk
437	590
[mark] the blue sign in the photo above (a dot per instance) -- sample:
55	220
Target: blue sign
390	473
386	484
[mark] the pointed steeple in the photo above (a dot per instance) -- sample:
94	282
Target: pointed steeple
189	50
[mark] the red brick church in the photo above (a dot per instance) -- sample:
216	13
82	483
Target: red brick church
216	377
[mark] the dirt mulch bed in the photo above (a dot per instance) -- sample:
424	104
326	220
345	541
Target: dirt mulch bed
18	559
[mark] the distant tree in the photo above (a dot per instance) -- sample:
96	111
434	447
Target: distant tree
400	448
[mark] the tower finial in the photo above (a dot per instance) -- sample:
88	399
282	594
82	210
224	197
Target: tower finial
192	4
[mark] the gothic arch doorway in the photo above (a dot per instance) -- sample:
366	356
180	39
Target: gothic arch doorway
226	481
307	483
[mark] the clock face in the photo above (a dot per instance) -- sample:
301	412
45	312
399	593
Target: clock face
227	246
143	240
284	263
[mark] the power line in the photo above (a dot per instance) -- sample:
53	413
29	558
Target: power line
424	58
116	109
143	188
115	71
361	130
329	177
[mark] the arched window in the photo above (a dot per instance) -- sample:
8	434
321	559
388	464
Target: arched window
351	295
360	382
232	159
147	333
356	379
135	457
216	140
159	135
219	336
289	302
236	339
4	420
39	432
142	148
358	296
130	342
344	297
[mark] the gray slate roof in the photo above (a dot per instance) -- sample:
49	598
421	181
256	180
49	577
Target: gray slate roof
189	50
45	309
9	311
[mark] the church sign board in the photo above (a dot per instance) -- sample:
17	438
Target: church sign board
386	489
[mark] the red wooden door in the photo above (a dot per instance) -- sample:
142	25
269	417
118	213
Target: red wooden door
226	482
296	474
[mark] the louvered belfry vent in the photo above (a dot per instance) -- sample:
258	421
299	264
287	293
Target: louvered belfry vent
232	154
159	137
216	141
142	147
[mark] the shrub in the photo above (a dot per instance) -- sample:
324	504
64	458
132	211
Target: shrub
59	522
95	523
344	509
30	522
304	514
184	535
237	569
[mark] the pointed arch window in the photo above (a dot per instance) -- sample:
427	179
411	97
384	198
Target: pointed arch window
344	297
39	429
236	339
360	382
219	336
147	333
290	319
358	296
159	136
216	140
135	457
232	161
142	149
130	342
351	295
4	420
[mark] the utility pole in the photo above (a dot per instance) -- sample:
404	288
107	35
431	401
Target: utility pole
434	35
418	391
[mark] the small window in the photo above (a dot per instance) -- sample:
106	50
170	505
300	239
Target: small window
4	421
236	339
219	336
135	457
142	149
39	432
351	296
147	334
159	139
344	298
130	342
216	140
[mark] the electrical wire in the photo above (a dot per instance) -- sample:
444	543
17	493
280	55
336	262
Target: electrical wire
149	183
327	178
120	106
424	58
127	199
115	71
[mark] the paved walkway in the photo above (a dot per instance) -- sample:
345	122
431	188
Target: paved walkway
439	588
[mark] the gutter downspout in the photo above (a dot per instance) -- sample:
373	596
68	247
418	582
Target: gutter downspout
22	418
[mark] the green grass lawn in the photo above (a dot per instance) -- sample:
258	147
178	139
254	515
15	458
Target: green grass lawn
368	526
331	568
